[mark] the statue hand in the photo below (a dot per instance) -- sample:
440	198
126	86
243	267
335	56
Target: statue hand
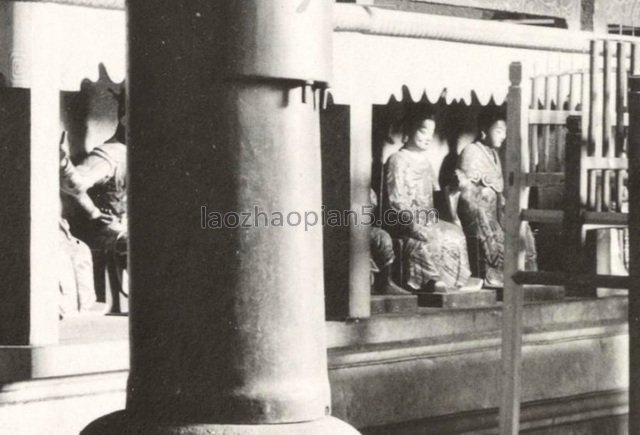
101	217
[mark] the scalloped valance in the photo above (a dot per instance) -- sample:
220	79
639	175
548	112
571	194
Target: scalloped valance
374	68
379	52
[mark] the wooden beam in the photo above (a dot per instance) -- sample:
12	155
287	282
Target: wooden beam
567	278
605	163
542	216
607	218
544	179
551	117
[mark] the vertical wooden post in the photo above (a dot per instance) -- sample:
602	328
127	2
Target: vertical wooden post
360	158
586	135
621	93
572	222
607	145
516	165
595	120
546	129
564	87
607	122
535	135
29	308
595	110
634	254
635	59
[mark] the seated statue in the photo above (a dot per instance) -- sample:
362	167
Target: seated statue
434	251
75	274
382	259
97	186
481	203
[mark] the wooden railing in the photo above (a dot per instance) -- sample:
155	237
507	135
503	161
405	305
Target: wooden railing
602	139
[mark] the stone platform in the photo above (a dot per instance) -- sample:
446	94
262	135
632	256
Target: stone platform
458	299
385	304
537	293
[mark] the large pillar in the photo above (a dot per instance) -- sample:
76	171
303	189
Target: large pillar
227	323
29	163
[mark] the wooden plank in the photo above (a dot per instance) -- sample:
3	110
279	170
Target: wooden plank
545	157
620	178
598	189
569	279
544	179
575	87
584	130
607	218
608	143
606	190
593	185
564	87
634	255
595	116
551	117
514	255
542	216
535	131
607	137
635	59
621	91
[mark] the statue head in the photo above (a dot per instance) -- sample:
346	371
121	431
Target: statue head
419	130
492	126
121	99
121	130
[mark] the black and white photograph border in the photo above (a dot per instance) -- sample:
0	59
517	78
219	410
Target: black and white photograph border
273	217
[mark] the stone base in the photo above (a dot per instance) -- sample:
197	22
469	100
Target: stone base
383	304
458	299
536	293
117	423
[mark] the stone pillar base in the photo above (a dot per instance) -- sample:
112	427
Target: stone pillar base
118	423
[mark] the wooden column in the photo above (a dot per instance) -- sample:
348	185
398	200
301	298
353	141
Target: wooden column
29	164
227	320
360	162
634	254
573	205
514	255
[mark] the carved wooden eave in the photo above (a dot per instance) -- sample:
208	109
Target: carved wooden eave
378	52
97	4
385	22
569	10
